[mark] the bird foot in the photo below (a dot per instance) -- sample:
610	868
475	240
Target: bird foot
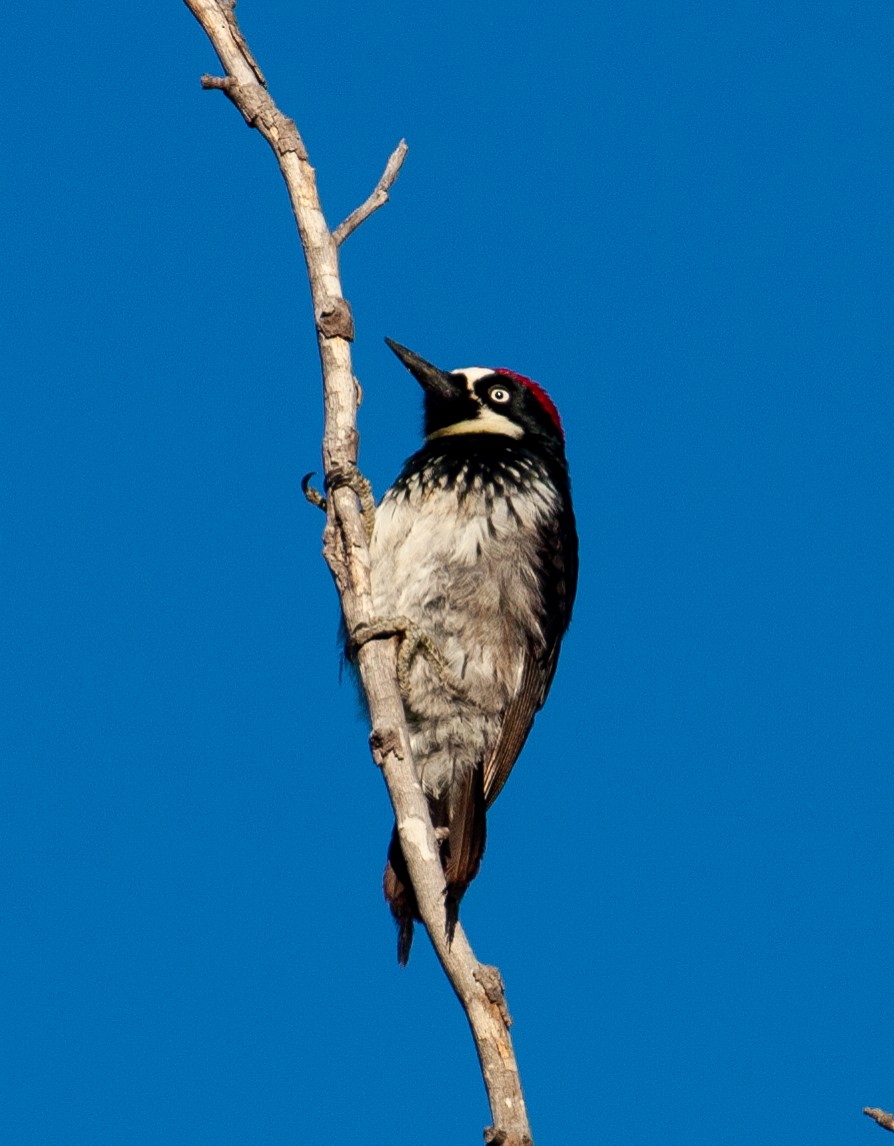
413	639
353	479
313	495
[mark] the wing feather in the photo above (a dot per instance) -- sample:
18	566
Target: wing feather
515	728
466	833
558	585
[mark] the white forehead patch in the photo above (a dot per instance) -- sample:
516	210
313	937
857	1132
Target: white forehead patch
473	374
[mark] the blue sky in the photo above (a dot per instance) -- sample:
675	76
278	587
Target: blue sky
678	219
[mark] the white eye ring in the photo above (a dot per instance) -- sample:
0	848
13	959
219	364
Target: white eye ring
498	394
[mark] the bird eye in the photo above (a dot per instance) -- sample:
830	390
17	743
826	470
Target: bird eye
498	394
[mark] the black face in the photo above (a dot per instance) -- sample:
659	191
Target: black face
512	397
478	401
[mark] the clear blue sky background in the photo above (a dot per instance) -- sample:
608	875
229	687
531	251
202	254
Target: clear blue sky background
677	217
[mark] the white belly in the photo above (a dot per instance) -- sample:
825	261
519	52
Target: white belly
465	574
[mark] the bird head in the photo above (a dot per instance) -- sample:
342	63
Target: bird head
482	400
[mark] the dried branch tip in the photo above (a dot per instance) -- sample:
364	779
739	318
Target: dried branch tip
379	196
882	1117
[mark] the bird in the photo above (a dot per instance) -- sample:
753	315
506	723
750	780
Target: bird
475	548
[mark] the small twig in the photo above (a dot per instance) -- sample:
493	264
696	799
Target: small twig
882	1117
216	83
378	198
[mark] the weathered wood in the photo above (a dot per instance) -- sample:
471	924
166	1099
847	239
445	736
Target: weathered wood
479	988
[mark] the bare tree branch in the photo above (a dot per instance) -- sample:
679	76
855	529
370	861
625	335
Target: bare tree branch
379	196
885	1120
479	988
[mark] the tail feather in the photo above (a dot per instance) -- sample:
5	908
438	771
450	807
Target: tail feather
463	814
467	823
401	898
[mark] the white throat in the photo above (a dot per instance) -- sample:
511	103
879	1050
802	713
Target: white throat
486	422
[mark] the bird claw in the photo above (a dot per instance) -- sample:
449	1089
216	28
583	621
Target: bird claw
313	495
413	639
353	479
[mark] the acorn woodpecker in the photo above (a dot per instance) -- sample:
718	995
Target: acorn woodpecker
475	547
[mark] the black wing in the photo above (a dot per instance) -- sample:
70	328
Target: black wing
558	586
